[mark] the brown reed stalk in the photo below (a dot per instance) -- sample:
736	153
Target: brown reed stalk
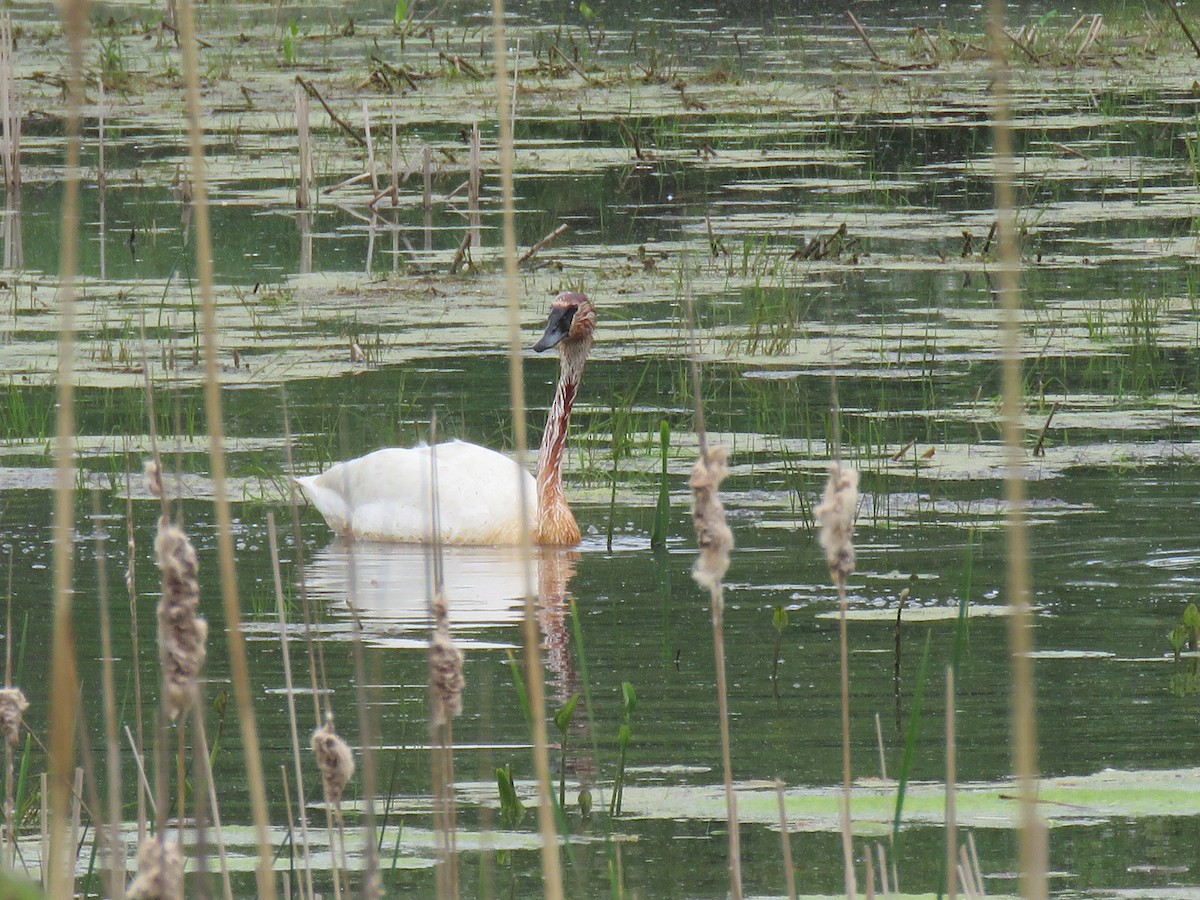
63	678
10	113
789	867
316	653
304	145
427	195
552	886
239	669
1032	851
131	590
474	184
273	542
372	171
76	812
836	516
116	847
211	789
715	541
371	886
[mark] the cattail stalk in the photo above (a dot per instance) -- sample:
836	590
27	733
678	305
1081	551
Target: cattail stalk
1031	843
715	540
63	680
836	517
552	885
336	764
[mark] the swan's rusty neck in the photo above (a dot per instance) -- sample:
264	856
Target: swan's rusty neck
555	522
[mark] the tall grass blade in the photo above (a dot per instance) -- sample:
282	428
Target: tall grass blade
910	739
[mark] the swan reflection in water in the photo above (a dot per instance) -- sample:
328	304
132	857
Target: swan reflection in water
388	586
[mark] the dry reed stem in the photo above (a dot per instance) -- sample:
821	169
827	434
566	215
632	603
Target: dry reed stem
181	633
291	702
116	847
239	669
551	865
789	867
715	540
160	871
63	680
1032	850
835	514
210	785
316	652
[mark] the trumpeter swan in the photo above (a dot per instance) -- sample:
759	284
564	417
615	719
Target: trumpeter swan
386	495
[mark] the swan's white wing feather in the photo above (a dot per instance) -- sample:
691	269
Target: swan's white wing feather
386	495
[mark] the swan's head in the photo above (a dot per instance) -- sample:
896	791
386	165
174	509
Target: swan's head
571	323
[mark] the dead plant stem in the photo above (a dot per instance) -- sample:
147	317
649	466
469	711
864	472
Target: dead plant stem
239	668
551	865
63	681
1031	840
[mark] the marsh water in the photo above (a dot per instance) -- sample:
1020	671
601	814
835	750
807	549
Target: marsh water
826	213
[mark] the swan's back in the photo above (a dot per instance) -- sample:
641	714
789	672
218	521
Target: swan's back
385	495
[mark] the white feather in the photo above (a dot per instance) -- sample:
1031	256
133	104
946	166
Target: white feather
386	495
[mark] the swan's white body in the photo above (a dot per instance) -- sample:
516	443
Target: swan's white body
387	495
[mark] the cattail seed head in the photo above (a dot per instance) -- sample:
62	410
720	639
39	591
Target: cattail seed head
152	477
12	705
160	871
713	535
446	681
334	759
836	515
181	633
